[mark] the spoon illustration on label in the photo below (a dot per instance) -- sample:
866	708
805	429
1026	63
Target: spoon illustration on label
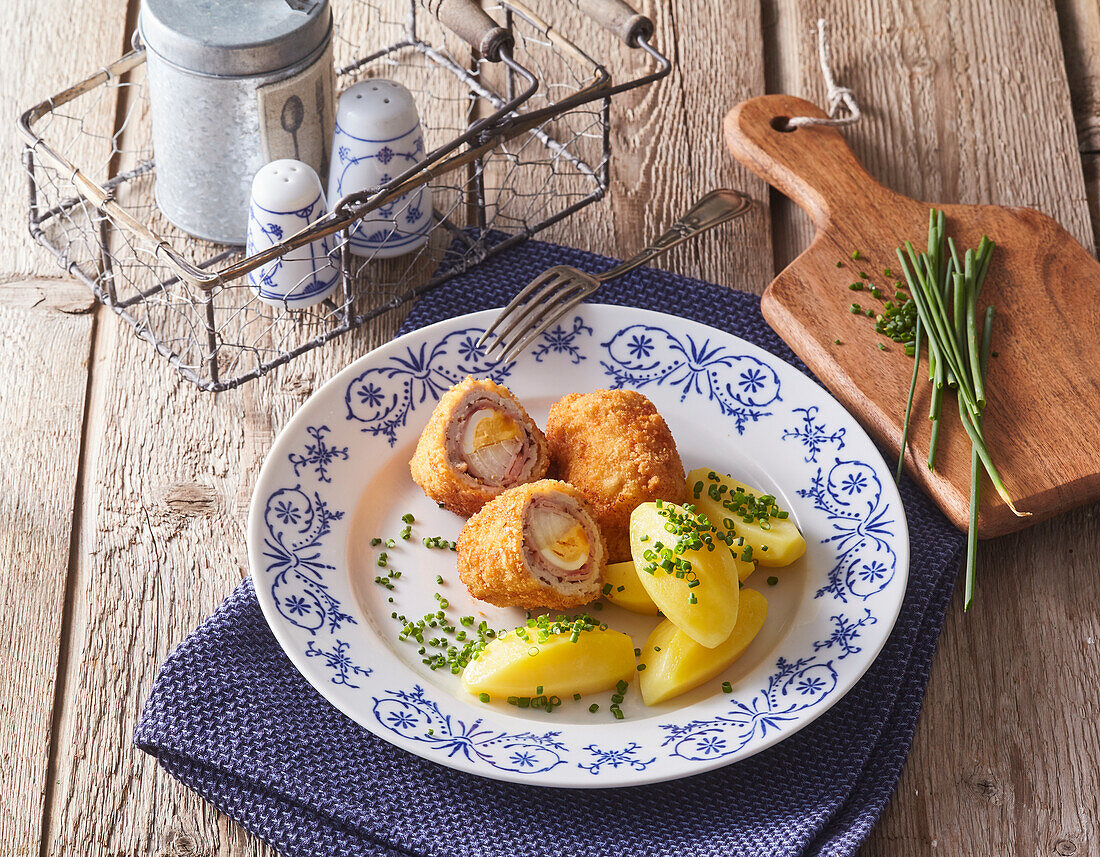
291	119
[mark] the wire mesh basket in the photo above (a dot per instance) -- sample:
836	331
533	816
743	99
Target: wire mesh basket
517	141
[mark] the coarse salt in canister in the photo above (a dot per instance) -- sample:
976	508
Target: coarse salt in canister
233	86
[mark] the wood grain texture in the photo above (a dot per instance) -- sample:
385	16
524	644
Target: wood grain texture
666	141
1043	284
46	332
1079	25
169	477
1004	757
46	327
50	46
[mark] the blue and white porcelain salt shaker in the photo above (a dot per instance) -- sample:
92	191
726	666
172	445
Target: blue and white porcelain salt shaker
287	197
377	138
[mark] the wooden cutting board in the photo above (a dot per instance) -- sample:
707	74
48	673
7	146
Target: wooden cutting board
1042	418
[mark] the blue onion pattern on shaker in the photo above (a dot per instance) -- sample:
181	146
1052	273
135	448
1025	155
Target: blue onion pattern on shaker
402	221
741	385
263	233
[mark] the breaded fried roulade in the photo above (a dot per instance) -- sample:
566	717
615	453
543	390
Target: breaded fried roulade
535	545
616	448
478	442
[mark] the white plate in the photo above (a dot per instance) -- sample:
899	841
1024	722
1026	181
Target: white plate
338	475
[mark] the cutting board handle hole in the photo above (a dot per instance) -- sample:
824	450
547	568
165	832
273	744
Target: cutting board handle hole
783	123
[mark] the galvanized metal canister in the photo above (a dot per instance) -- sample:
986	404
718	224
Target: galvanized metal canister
234	84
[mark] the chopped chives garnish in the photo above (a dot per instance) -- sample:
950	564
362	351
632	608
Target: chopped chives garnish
727	687
773	580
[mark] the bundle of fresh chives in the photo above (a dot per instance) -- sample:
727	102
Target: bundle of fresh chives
944	289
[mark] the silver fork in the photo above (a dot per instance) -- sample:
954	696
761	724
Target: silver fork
556	291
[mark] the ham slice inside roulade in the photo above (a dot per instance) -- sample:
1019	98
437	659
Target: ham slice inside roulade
487	440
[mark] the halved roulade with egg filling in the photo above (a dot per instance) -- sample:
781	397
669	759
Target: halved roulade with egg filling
479	442
535	545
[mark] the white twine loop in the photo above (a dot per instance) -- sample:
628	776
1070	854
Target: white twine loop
835	95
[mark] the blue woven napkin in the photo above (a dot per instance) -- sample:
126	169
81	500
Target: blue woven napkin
231	718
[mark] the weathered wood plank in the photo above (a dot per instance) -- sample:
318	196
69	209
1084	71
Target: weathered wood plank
667	142
969	102
50	47
1079	23
46	327
169	477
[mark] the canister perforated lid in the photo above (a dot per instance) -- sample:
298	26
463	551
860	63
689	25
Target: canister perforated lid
234	37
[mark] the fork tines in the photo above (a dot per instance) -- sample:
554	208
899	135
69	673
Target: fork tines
535	308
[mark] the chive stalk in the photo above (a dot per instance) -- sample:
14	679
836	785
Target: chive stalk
976	476
909	402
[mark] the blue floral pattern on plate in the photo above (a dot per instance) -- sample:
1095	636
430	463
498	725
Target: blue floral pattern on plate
813	434
416	717
850	495
300	526
383	396
792	688
296	524
740	384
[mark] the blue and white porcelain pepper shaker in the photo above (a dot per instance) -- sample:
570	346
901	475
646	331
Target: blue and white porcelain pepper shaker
378	137
287	197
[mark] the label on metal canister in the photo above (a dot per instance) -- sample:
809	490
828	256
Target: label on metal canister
298	116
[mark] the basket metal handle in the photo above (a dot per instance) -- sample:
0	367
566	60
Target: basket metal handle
619	18
470	22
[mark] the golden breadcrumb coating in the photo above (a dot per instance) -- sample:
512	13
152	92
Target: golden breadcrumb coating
616	448
438	476
491	553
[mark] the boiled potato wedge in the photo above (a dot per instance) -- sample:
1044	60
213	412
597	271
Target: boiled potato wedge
675	663
623	588
697	587
513	666
779	544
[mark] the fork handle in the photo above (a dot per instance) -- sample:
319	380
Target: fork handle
715	208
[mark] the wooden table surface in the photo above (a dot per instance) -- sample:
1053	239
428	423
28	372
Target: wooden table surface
124	491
